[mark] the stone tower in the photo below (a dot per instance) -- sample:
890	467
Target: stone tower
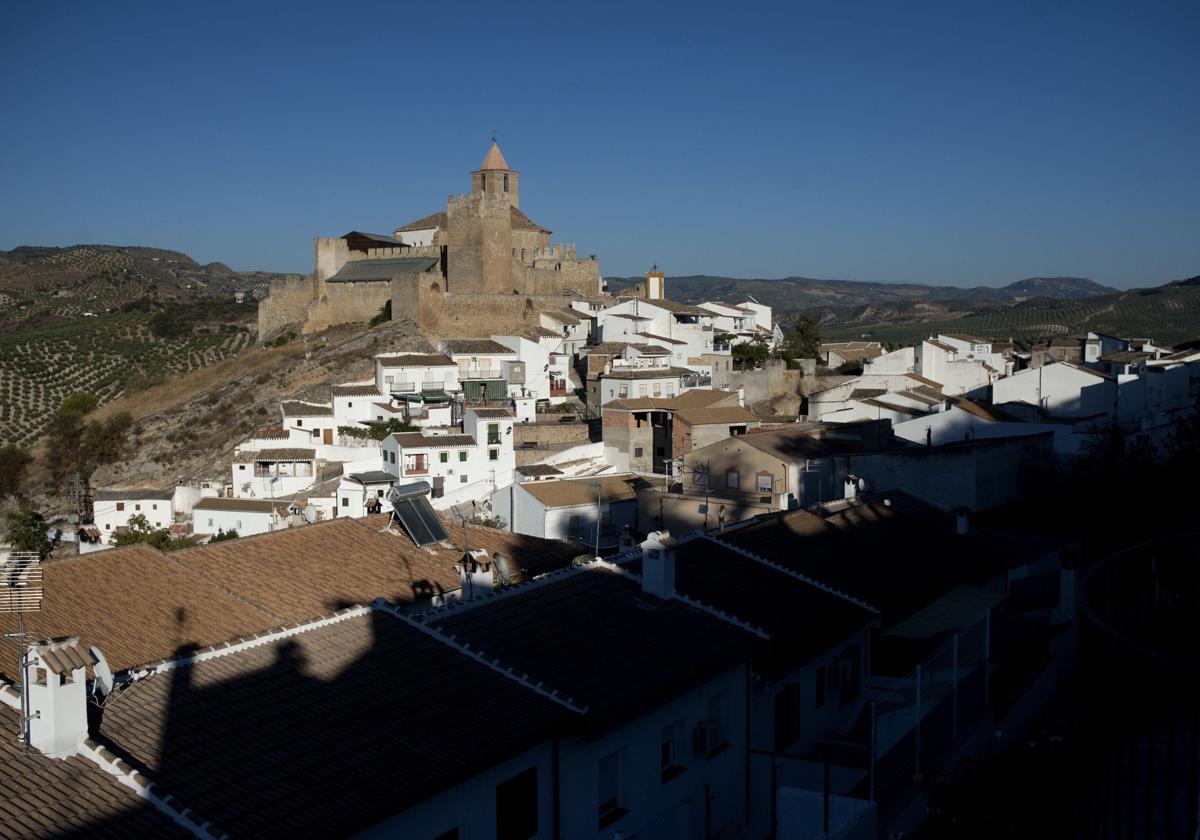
479	230
494	176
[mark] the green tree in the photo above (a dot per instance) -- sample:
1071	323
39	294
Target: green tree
75	446
803	340
223	535
81	403
27	530
384	315
749	354
139	530
13	462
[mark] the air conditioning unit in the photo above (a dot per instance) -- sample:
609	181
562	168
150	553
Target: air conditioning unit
707	736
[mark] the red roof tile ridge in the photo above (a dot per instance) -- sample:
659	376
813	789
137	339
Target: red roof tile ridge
793	573
481	657
694	603
140	784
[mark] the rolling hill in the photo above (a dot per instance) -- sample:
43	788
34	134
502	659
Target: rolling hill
108	319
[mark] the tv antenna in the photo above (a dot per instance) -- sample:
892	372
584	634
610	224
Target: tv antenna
21	592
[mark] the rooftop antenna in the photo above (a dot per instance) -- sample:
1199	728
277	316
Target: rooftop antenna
21	592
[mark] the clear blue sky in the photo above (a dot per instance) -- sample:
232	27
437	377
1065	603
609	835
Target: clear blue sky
952	143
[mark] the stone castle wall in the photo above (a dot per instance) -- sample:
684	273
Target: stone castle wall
347	303
288	303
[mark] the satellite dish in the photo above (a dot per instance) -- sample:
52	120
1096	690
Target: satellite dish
310	514
104	676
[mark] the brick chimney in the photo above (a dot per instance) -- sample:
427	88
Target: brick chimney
658	564
56	686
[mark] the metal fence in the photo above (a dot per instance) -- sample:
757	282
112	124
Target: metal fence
925	715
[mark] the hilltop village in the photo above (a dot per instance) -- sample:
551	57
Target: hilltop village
583	567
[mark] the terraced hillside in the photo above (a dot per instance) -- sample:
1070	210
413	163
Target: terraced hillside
1167	314
107	319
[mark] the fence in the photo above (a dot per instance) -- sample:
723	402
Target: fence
925	715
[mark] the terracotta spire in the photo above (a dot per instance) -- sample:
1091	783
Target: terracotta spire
495	159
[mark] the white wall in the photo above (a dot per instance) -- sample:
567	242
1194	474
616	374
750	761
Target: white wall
412	378
896	362
108	516
471	806
349	411
657	809
242	521
1059	389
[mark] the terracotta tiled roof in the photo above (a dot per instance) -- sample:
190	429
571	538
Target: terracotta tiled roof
615	650
648	373
415	360
281	454
695	398
135	604
116	494
491	412
661	338
300	572
325	732
473	346
296	408
245	505
433	220
522	222
356	391
416	440
572	492
717	414
43	797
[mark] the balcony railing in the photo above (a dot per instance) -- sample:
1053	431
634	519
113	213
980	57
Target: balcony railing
480	373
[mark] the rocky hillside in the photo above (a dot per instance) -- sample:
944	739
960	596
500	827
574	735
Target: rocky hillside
110	320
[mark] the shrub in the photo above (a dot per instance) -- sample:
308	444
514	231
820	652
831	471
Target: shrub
27	530
385	315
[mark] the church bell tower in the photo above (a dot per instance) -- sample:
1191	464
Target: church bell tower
494	176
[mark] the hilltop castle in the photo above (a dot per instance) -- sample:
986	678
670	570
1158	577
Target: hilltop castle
477	268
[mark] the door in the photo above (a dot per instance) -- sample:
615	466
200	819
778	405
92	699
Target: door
328	438
439	485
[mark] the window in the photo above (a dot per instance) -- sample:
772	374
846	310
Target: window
517	806
242	467
238	524
154	506
462	479
623	391
506	183
642	390
462	456
732	478
393	454
443	457
483	183
210	522
137	507
493	454
658	389
787	716
820	697
670	751
765	482
637	452
716	723
345	501
493	431
575	526
120	506
610	789
299	422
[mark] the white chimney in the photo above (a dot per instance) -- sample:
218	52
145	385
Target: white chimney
850	489
475	576
658	564
626	542
56	686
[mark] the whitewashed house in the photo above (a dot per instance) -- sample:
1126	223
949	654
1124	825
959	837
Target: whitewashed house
535	362
487	369
686	330
960	364
567	509
408	375
572	328
459	465
314	418
355	403
364	493
273	473
246	516
112	509
1060	389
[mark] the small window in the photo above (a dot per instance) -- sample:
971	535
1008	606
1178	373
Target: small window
137	507
210	522
637	452
299	422
120	506
154	506
462	479
642	390
443	457
242	467
670	751
493	454
517	806
610	789
732	478
345	501
462	456
483	183
238	524
506	183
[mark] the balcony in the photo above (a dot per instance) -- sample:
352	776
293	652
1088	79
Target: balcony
697	381
480	373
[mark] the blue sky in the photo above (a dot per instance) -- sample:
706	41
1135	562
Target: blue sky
959	143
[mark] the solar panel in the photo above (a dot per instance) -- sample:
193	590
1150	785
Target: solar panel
419	520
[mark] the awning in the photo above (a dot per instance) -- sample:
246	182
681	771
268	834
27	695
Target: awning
435	396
